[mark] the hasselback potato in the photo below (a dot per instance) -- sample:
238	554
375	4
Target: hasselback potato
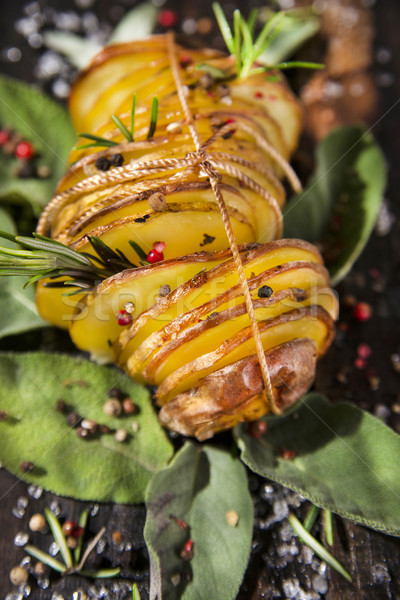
181	178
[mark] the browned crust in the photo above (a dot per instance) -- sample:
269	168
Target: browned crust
211	358
224	398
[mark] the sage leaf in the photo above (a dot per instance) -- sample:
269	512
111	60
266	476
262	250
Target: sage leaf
339	206
97	468
190	500
345	460
18	312
44	123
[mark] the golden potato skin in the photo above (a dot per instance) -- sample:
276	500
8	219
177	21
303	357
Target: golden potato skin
194	341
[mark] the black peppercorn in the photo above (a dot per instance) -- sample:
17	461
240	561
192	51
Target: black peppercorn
265	292
116	160
102	163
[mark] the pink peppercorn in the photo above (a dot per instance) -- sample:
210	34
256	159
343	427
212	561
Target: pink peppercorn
4	136
362	311
364	351
124	318
258	95
24	150
167	18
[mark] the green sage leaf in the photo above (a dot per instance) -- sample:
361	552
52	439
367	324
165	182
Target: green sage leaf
340	204
46	125
202	488
18	312
345	460
97	468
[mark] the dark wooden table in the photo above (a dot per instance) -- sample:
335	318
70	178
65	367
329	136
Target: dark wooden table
372	558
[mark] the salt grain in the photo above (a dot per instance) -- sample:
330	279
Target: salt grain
35	491
320	584
21	539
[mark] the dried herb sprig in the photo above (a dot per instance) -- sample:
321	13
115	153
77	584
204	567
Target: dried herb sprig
44	258
129	134
71	565
245	48
305	536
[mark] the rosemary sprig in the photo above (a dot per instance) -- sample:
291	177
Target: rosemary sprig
246	49
319	550
153	117
71	566
44	258
97	141
129	134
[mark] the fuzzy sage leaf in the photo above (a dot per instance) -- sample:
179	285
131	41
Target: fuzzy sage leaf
333	464
110	471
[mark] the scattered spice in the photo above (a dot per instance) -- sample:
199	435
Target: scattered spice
364	351
157	201
27	466
187	552
112	408
167	18
102	163
24	150
362	311
257	428
124	318
120	435
128	406
164	290
73	419
182	524
5	135
232	517
71	542
265	292
82	433
156	254
116	537
61	405
68	527
116	160
287	454
37	522
89	424
18	576
207	239
395	358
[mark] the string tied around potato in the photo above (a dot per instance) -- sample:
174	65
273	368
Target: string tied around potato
215	177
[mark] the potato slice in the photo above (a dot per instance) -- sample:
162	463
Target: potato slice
234	393
312	322
214	283
95	328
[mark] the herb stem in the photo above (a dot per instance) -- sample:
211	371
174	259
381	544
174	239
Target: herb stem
45	558
319	550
